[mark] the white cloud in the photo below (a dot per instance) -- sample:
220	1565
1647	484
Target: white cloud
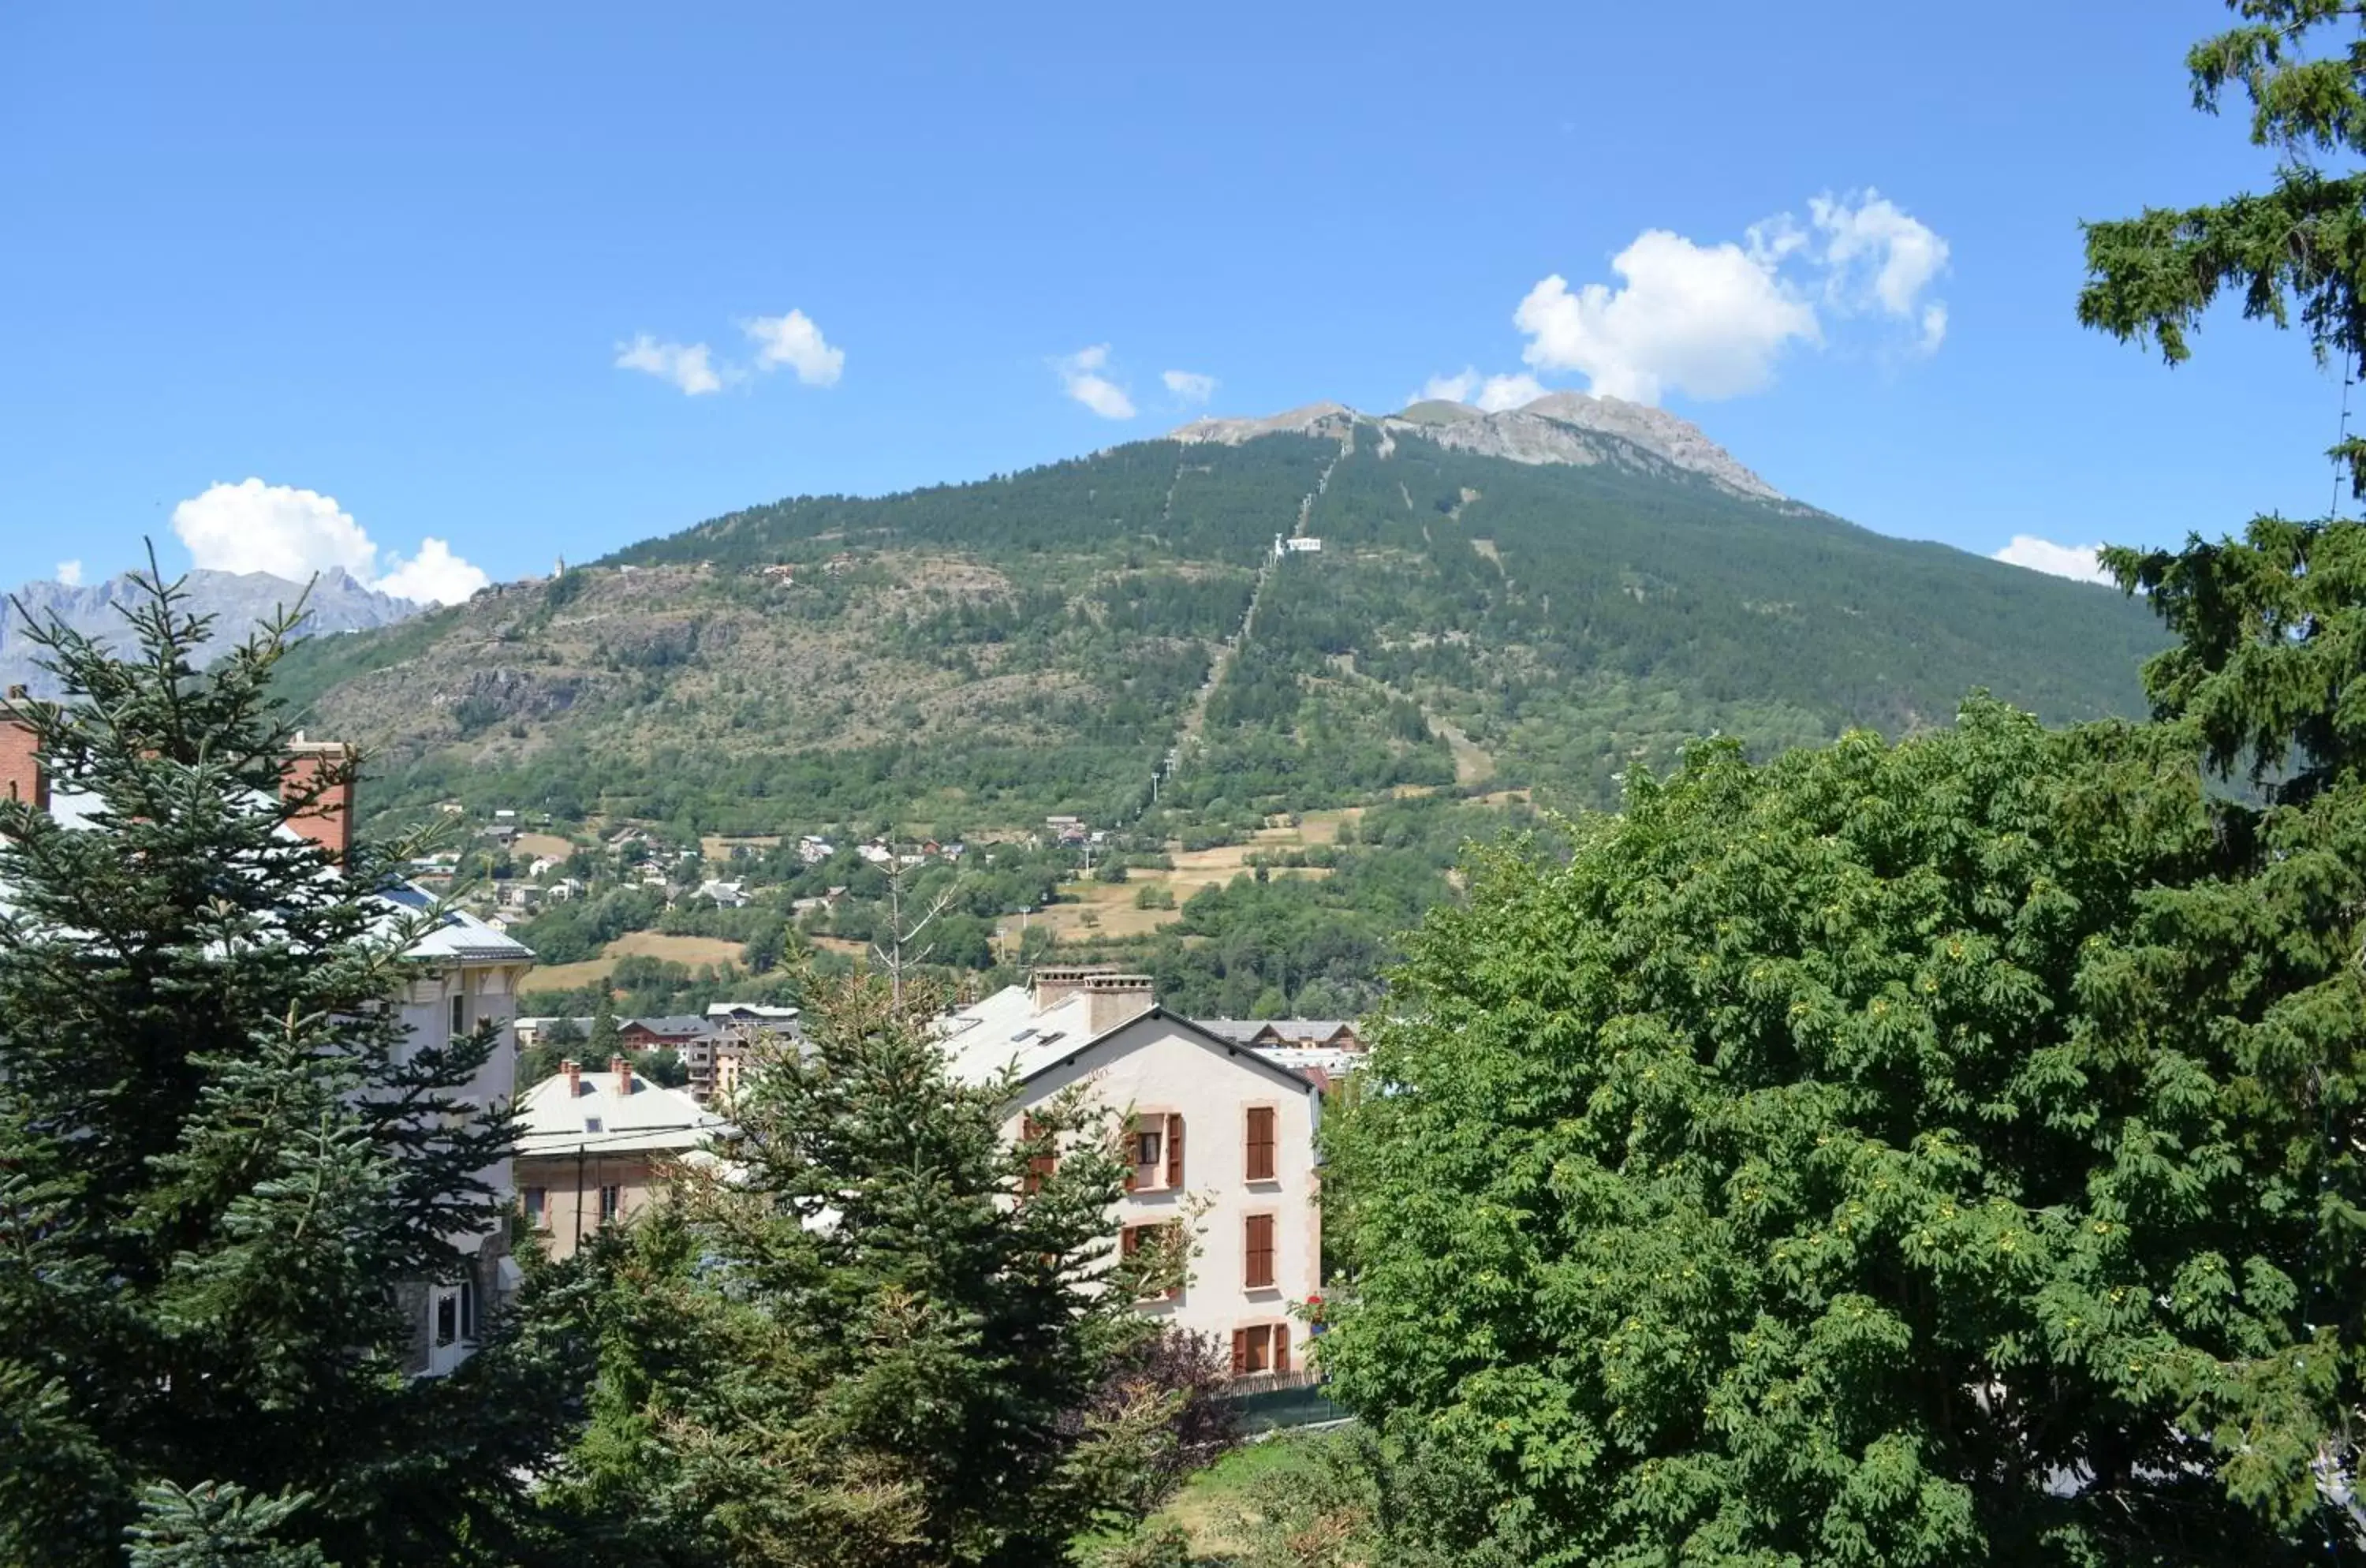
434	576
1875	257
1080	373
70	573
1455	389
794	340
253	527
1714	321
1707	320
292	533
687	366
1492	393
1189	385
1497	393
2056	561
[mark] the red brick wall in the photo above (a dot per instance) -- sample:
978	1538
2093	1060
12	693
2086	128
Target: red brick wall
329	821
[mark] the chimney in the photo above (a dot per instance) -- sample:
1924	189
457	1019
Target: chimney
328	766
574	1079
623	1071
20	764
1054	984
1113	998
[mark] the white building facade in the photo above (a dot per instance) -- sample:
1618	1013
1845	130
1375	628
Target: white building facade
1224	1142
464	974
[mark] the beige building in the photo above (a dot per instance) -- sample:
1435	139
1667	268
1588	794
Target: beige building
1223	1138
596	1147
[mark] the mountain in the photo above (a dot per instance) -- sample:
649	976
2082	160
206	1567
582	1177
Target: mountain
238	600
1310	609
1571	428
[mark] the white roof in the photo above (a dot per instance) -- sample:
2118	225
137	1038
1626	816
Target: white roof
600	1118
1004	1031
456	937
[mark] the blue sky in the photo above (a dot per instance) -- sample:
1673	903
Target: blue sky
394	258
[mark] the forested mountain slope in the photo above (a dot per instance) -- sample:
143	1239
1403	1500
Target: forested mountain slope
984	654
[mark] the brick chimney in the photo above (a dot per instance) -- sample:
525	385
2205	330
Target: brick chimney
328	766
574	1079
20	768
1113	998
1055	983
623	1071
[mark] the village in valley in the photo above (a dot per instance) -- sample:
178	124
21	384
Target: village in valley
1224	1112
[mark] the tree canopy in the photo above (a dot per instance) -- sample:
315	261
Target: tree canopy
220	1152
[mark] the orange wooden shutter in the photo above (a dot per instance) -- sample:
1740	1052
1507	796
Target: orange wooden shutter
1038	1166
1133	1152
1260	1260
1174	1151
1129	1241
1261	1141
1281	1346
1240	1351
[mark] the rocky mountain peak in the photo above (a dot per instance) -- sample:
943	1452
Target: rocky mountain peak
1560	427
237	600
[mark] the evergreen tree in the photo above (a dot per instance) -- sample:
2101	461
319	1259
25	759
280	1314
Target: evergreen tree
607	1041
220	1149
2298	247
888	1339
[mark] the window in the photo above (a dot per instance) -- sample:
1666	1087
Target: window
538	1207
447	1316
1156	1148
591	1124
1261	1163
1258	1263
1131	1239
610	1199
1262	1349
460	1014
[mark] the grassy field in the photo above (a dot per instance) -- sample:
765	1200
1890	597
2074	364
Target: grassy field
1113	907
531	846
690	950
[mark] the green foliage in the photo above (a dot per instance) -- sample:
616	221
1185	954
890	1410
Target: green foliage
886	1344
2271	637
220	1152
2299	248
1832	1156
216	1526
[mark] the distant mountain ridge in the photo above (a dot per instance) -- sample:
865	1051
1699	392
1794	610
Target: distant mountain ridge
1558	428
337	602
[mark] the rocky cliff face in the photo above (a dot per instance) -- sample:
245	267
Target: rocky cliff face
237	600
1560	427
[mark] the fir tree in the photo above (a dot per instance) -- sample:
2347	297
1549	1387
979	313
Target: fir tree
607	1041
887	1340
220	1148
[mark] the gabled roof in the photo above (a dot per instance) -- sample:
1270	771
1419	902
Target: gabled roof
1004	1032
